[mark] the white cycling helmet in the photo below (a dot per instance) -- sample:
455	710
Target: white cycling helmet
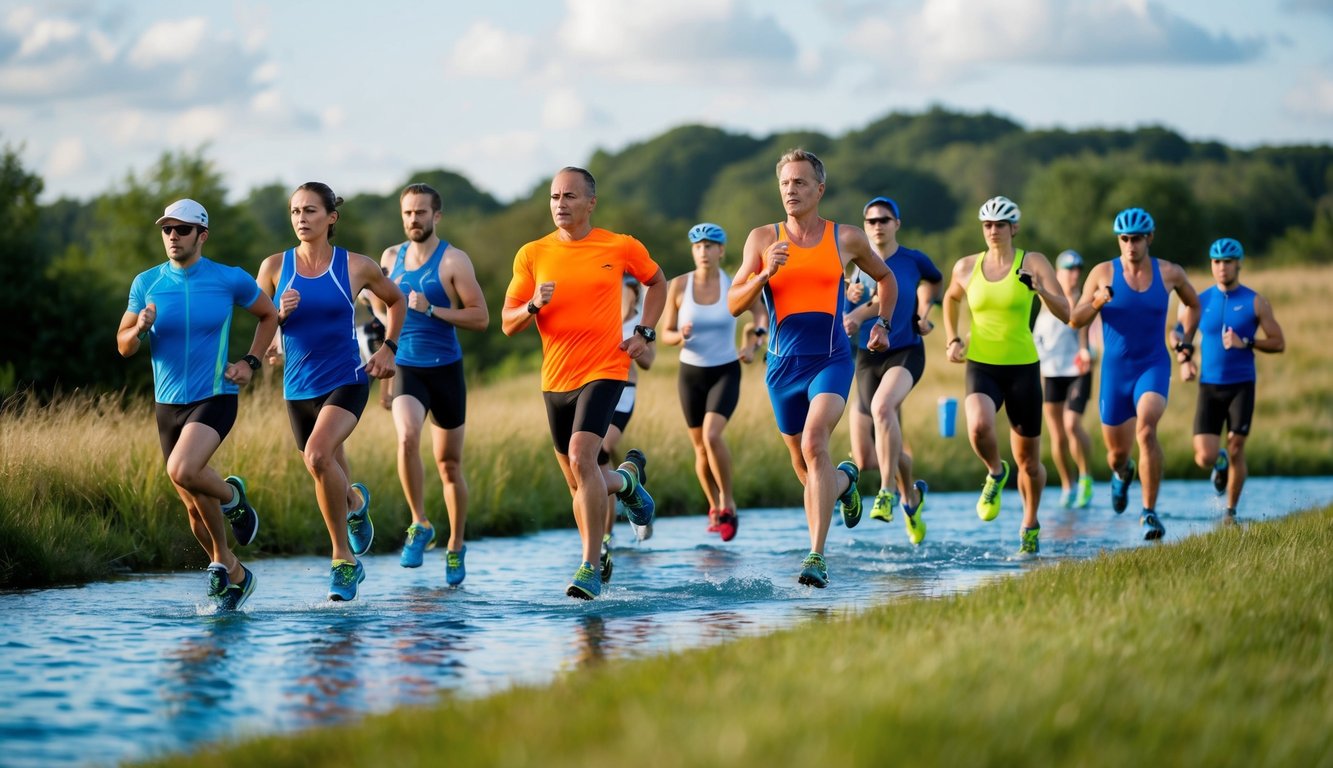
999	209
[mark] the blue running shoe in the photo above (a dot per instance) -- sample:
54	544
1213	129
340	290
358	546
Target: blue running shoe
607	565
1066	497
912	520
586	584
217	580
814	573
454	571
639	506
235	595
419	539
1152	527
849	503
344	578
1120	488
243	517
1221	469
360	530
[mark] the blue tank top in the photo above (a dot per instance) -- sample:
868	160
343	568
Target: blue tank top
189	337
909	267
713	338
1134	322
1222	310
319	337
425	341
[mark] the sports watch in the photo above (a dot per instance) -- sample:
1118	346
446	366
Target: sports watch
649	335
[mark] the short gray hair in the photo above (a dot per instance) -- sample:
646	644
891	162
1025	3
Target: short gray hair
797	155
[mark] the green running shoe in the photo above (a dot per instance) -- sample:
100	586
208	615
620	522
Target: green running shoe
243	517
235	595
360	530
1084	496
882	509
988	506
639	505
586	584
814	573
454	570
419	539
849	503
607	565
344	578
912	519
1221	469
1029	543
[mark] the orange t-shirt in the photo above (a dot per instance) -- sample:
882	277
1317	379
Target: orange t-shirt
581	329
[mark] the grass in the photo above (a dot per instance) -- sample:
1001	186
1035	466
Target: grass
86	494
1216	650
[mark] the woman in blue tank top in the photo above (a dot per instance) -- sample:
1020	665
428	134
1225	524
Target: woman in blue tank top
315	286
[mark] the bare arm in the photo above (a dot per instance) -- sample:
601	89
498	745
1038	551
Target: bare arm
1096	293
671	332
1047	285
1273	340
954	295
763	256
653	302
855	244
456	272
364	274
133	327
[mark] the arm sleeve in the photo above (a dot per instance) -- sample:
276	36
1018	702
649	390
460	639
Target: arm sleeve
523	283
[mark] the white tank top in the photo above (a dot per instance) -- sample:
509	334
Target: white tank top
1057	345
713	339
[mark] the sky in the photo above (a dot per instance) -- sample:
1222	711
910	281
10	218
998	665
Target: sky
361	94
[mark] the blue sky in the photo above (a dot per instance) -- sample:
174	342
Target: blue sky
360	94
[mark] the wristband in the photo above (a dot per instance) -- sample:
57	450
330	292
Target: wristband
533	308
392	345
954	340
430	310
251	361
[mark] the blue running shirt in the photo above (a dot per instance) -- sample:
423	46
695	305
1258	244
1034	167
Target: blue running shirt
1222	310
425	342
319	337
189	337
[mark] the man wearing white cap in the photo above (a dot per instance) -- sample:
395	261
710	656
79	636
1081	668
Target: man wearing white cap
184	307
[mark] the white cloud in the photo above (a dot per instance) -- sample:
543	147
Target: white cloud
68	157
168	42
485	50
1312	97
563	110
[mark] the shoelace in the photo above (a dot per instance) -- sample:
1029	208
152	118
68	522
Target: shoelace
345	574
454	559
992	489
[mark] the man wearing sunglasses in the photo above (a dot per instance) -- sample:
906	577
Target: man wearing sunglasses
183	307
1132	294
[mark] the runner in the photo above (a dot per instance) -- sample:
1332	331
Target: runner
709	383
1132	294
798	265
324	381
442	294
569	284
184	308
1000	285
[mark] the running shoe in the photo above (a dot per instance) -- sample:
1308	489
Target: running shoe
344	578
1029	543
1084	497
243	517
988	506
912	519
849	503
814	573
1066	497
1152	527
639	506
1120	488
882	509
217	579
606	563
586	584
1220	472
360	529
419	539
235	595
727	524
712	520
454	570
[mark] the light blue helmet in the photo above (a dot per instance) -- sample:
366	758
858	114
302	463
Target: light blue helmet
707	231
1226	248
1134	221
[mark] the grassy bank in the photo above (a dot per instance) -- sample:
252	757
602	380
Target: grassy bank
1216	650
85	492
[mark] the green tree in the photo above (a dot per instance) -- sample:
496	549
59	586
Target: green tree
21	271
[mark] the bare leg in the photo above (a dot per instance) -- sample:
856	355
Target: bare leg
326	462
884	407
1031	474
408	417
981	431
448	450
1151	406
718	459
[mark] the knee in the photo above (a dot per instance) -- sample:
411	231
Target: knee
451	470
583	467
182	475
317	460
409	439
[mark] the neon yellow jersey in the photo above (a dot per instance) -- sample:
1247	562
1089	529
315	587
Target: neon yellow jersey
1001	317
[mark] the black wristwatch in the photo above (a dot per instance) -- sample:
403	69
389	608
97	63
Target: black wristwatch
533	308
251	361
882	323
392	345
648	334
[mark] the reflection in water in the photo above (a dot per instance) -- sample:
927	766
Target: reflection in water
327	690
198	675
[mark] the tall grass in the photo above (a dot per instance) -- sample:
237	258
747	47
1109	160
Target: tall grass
83	491
1216	650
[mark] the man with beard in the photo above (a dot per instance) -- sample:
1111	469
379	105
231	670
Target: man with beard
442	294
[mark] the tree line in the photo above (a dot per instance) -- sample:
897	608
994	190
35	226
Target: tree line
67	265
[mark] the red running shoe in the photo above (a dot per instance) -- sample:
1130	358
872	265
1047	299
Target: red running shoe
712	520
727	523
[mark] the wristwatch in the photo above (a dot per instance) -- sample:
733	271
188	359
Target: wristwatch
251	361
648	334
392	345
882	323
533	308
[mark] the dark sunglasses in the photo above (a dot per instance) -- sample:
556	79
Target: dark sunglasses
179	229
880	220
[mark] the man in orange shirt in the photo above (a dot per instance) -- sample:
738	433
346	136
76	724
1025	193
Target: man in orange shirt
585	361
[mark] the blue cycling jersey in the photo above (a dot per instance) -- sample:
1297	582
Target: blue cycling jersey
189	337
909	267
1222	310
426	341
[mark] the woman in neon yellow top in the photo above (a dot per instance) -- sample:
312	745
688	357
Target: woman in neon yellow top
1001	285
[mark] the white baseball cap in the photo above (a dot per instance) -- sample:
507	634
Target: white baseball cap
187	211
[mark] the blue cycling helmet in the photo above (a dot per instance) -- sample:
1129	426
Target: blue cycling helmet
1134	221
707	231
1226	248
